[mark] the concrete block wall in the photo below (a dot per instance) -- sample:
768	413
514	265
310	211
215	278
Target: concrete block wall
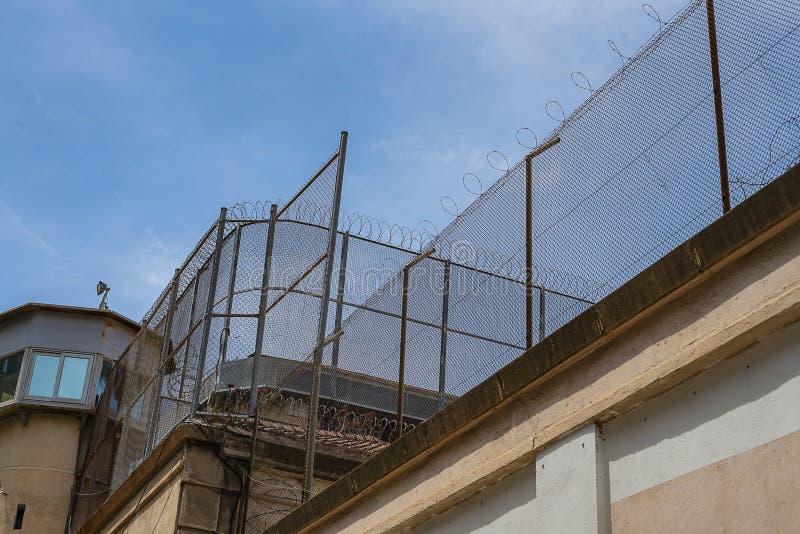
718	453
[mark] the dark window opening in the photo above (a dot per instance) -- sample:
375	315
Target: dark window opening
18	518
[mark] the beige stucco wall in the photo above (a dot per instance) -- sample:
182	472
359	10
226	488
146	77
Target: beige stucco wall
755	491
752	295
154	507
37	465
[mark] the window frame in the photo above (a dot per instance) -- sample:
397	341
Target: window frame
20	377
62	355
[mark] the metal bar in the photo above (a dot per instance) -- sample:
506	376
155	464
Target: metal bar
311	181
296	283
337	324
403	327
443	340
542	324
529	238
390	314
252	403
313	406
718	109
187	337
155	409
424	255
212	288
401	373
528	254
223	351
459	265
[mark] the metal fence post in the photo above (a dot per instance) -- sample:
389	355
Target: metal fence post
528	254
212	288
252	405
718	109
223	349
443	340
155	410
340	290
529	238
542	323
313	405
401	372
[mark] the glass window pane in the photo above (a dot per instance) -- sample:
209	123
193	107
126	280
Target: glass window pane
43	380
73	376
9	375
105	373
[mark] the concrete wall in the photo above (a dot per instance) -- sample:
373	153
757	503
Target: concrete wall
154	507
694	340
718	453
564	477
37	465
192	491
67	331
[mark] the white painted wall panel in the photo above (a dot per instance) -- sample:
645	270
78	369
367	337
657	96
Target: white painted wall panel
741	403
556	495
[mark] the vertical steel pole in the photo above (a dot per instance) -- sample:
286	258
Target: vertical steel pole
528	253
212	289
313	406
718	109
401	374
223	352
529	238
443	340
155	409
182	387
541	314
340	290
252	405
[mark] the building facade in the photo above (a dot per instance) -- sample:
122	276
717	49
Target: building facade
54	363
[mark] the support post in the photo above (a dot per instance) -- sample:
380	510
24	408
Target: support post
542	324
184	369
529	238
155	410
252	401
223	349
718	109
340	290
313	406
401	371
252	404
528	254
212	288
443	340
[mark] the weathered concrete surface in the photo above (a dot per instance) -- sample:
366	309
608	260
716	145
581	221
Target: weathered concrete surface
37	467
742	403
66	328
154	508
719	293
754	491
564	477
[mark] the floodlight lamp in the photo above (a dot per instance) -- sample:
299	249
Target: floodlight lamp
101	287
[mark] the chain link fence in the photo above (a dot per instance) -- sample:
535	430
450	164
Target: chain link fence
317	352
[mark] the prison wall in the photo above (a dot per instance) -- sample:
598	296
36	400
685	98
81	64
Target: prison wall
669	405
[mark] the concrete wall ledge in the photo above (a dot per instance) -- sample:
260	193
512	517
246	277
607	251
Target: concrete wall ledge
752	223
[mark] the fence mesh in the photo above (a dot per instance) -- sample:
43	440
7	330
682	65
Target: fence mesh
635	173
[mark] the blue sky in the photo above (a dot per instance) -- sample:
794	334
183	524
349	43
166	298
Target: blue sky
124	128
